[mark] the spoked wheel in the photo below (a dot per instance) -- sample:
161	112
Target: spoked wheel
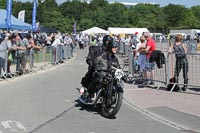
110	107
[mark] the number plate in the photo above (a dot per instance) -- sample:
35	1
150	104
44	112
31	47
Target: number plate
119	74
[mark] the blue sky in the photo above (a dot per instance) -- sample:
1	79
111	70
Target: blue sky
186	3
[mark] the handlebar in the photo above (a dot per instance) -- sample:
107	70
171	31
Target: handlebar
113	67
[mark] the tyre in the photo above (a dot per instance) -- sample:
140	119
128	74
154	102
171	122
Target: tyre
110	109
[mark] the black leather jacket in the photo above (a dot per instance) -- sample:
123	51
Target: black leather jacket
105	61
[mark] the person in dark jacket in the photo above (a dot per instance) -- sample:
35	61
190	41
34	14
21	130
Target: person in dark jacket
180	50
158	57
102	65
94	51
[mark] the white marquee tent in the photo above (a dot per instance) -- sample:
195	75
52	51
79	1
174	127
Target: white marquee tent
116	30
95	30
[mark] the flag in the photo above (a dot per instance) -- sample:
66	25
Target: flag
21	15
74	27
37	25
9	13
34	12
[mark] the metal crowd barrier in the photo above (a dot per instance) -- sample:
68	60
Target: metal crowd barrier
193	70
37	59
123	49
163	75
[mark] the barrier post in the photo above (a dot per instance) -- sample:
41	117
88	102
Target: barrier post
68	51
126	51
65	52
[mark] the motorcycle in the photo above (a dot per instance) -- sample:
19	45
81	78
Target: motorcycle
108	94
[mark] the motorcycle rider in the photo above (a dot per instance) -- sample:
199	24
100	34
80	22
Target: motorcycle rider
102	67
94	51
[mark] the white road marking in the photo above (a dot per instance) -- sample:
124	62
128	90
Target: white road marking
7	125
66	100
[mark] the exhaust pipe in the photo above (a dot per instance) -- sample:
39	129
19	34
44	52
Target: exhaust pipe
94	101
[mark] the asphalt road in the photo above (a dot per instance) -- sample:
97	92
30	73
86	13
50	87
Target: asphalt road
45	102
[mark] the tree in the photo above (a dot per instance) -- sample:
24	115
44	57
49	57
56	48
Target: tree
115	15
27	6
73	9
189	21
149	16
196	11
94	4
174	14
50	16
103	14
2	4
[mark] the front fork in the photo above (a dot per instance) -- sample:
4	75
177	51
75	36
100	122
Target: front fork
109	92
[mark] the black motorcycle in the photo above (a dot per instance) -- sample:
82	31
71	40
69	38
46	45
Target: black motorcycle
108	94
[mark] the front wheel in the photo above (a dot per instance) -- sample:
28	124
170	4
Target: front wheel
111	107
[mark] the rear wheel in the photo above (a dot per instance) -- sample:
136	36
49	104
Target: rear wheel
110	107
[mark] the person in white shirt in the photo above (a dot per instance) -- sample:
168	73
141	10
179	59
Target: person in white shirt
57	49
5	45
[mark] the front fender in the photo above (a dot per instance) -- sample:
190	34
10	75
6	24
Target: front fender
119	85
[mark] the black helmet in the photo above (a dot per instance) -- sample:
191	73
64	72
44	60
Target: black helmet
107	38
112	44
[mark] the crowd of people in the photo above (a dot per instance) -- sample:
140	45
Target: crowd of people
21	46
143	49
14	47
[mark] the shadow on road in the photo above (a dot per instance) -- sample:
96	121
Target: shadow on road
89	108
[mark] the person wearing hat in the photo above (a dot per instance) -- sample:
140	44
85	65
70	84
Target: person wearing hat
5	45
107	58
102	66
94	51
96	59
180	50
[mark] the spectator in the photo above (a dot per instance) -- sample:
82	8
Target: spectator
2	36
135	40
55	44
48	40
6	44
141	56
3	50
61	49
93	41
19	52
34	49
72	45
127	40
48	43
80	41
180	50
23	53
150	66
